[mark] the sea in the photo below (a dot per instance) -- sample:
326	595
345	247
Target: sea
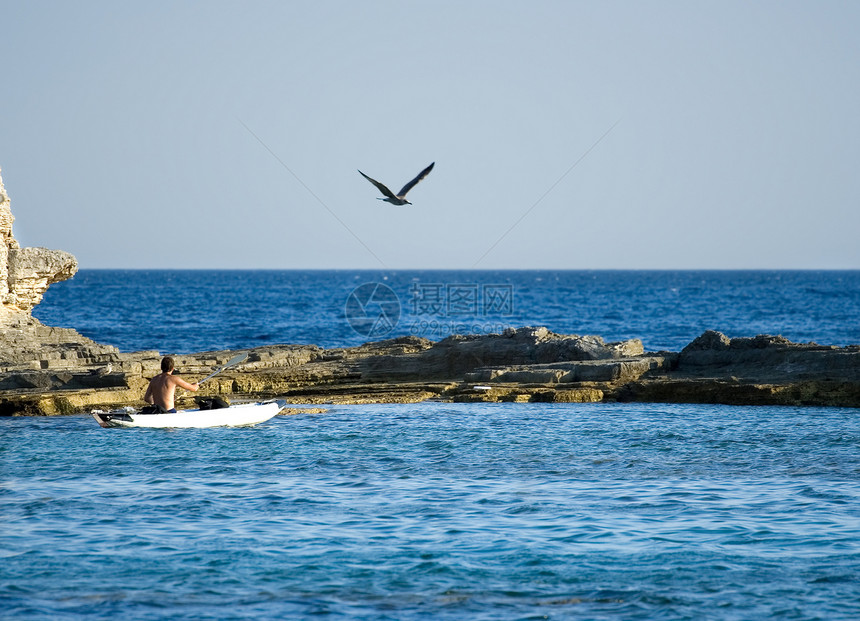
176	311
438	510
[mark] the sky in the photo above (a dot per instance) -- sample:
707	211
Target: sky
566	135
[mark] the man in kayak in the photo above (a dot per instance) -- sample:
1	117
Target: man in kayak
162	388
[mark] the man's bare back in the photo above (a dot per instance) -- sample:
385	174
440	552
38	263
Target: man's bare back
162	388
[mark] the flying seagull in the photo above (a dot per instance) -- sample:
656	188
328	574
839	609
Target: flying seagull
400	197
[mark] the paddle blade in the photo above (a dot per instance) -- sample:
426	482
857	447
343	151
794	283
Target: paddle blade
235	360
238	358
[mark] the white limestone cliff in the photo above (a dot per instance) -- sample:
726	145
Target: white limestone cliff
26	273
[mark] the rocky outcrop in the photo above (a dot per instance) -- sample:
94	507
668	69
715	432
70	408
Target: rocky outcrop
28	349
31	271
26	273
26	344
766	358
621	370
457	356
525	365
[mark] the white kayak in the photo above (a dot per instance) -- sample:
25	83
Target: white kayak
240	415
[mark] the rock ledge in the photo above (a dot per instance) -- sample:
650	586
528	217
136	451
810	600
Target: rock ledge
524	365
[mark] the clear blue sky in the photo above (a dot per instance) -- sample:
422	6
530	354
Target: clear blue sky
123	138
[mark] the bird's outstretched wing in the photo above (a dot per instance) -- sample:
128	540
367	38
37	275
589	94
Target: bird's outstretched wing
415	181
379	186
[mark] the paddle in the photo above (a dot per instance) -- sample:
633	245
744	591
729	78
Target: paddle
238	358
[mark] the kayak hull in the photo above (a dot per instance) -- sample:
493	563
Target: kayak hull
241	415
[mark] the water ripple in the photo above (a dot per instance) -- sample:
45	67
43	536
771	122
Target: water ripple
438	511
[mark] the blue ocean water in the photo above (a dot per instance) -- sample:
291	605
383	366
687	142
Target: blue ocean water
438	511
189	311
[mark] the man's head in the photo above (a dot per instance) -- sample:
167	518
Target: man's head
167	364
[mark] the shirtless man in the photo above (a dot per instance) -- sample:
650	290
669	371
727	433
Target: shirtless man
163	387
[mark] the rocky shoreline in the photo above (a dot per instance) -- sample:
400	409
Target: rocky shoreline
48	371
523	365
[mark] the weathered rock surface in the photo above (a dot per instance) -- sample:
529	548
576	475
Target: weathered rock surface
523	365
766	358
760	370
26	273
458	355
26	344
35	357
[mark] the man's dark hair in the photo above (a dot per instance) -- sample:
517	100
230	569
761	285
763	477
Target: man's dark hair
166	364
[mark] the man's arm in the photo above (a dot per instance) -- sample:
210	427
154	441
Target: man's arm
178	381
148	396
